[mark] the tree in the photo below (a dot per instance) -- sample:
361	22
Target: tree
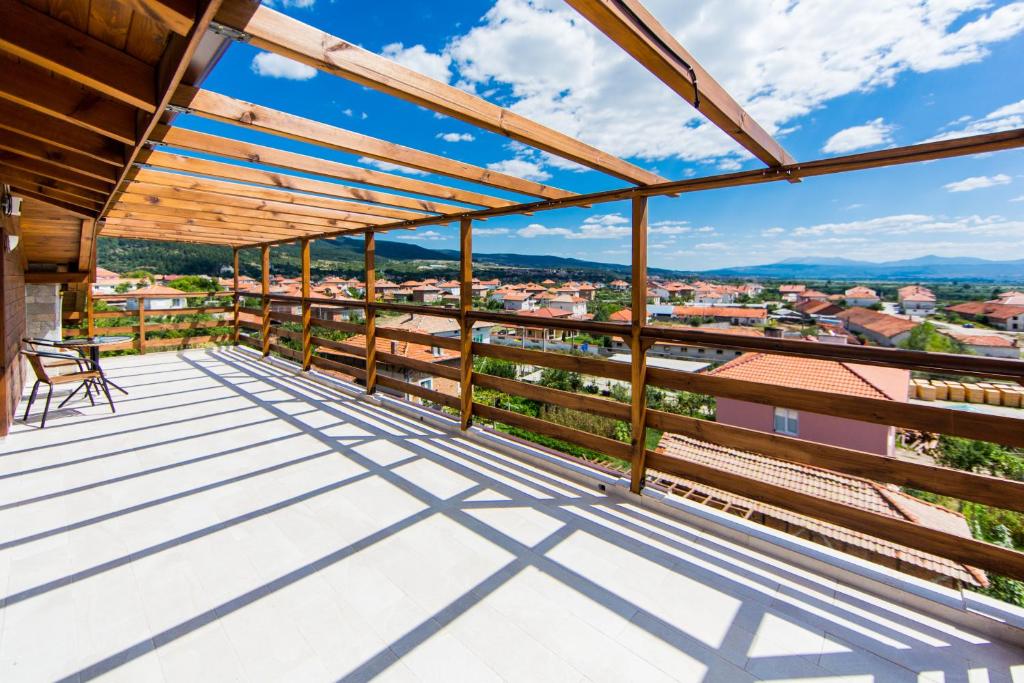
496	366
195	283
561	379
926	337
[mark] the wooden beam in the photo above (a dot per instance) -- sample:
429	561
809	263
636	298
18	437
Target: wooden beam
54	131
45	187
40	39
46	199
465	324
177	239
307	336
43	91
170	231
219	107
635	30
48	169
292	161
87	245
259	176
176	15
278	33
55	278
29	178
187	182
253	230
236	298
944	149
369	258
638	352
33	148
265	291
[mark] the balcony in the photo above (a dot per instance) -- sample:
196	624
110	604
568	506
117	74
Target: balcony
239	519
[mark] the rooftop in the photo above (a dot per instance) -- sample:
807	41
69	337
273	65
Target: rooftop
298	533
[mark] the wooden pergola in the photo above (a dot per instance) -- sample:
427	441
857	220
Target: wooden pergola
88	114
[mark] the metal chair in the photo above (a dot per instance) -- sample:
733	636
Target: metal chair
68	359
88	378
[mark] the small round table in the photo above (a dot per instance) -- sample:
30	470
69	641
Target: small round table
93	344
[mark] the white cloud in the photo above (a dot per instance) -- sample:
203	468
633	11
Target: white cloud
902	225
275	66
491	231
301	4
769	232
979	182
456	137
586	231
874	133
606	219
521	168
669	228
712	246
782	60
388	166
416	57
1018	199
537	230
425	236
1003	118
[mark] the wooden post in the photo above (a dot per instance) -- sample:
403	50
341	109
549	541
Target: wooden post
237	299
369	250
307	336
142	324
465	324
638	375
265	288
90	324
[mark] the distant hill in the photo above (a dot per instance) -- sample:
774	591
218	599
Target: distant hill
935	268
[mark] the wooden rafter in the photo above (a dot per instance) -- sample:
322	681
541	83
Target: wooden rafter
273	31
259	176
28	178
219	107
48	169
184	210
635	30
40	39
246	151
48	152
146	193
176	15
145	220
187	182
59	133
171	229
72	208
43	91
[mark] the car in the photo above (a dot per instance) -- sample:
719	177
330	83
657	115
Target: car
970	325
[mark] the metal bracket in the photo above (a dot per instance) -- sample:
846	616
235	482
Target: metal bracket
175	109
229	32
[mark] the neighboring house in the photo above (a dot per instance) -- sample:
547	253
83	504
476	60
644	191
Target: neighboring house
722	314
752	289
791	292
811	295
1004	316
588	291
517	301
653	298
1013	298
816	309
623	315
861	296
916	299
692	350
420	352
436	326
535	333
619	285
385	287
575	305
880	328
841	489
714	295
991	345
809	374
426	294
158	298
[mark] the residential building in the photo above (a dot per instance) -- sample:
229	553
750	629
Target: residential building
1014	298
714	295
619	285
575	305
588	291
411	350
517	301
540	333
435	325
811	295
991	345
426	294
692	350
157	298
861	296
734	315
847	379
841	489
881	328
816	309
916	299
791	292
1008	317
623	315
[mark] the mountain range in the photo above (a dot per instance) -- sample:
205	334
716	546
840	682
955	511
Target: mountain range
921	268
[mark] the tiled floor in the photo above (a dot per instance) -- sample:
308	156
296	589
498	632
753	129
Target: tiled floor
233	522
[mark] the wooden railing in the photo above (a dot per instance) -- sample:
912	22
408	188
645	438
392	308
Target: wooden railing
145	333
980	488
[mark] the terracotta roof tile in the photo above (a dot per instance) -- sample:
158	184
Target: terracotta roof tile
812	374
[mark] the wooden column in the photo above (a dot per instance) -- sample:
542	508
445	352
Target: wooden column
638	376
369	249
465	324
307	336
237	299
90	323
265	289
142	324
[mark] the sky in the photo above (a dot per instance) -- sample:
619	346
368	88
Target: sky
825	77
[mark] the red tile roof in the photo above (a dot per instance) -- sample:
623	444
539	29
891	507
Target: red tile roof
719	312
623	315
992	340
880	323
791	289
159	290
545	313
988	309
400	348
812	374
864	494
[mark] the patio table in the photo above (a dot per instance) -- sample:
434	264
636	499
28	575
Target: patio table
93	345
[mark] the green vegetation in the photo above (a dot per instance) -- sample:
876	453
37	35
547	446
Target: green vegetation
926	337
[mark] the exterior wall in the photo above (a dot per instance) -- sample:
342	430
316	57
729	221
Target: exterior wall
866	302
42	311
995	351
836	431
12	324
918	306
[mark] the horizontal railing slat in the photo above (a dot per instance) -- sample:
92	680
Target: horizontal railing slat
980	488
565	399
514	320
450	343
923	538
437	369
601	444
417	390
560	361
340	325
344	368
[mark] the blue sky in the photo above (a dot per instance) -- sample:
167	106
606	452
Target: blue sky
827	78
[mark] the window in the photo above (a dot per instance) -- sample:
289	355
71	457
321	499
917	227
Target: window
787	421
427	383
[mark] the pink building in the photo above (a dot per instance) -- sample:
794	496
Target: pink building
848	379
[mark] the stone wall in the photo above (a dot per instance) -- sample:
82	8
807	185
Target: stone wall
42	311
